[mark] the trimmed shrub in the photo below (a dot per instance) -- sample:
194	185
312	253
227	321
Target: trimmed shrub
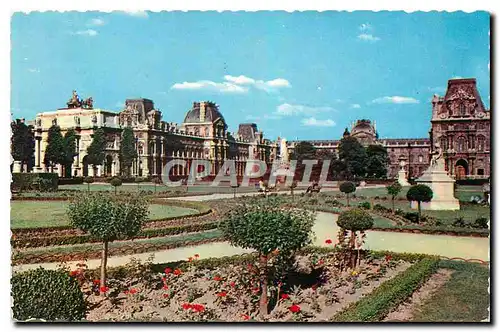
412	216
364	205
34	181
347	188
481	222
47	294
355	220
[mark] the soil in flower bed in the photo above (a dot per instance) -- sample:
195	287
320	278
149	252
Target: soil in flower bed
404	312
313	291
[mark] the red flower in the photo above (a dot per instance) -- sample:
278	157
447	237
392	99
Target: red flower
232	284
97	282
320	262
190	259
196	256
245	317
294	308
165	295
103	289
217	278
328	241
198	307
314	286
222	294
165	286
73	273
186	306
177	272
388	258
163	279
125	292
285	296
250	266
168	270
256	289
133	290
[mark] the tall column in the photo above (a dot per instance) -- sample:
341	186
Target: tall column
37	152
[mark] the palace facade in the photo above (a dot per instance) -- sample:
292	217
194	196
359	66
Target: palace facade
460	125
203	135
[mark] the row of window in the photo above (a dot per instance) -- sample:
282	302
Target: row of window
462	144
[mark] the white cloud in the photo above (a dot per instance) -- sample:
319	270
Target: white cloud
355	106
25	59
96	22
365	27
288	109
318	123
395	100
88	32
34	70
263	117
241	80
137	13
237	84
225	87
368	37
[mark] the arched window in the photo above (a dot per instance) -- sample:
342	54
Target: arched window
462	144
480	143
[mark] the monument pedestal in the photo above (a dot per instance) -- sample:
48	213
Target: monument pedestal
442	186
402	179
17	167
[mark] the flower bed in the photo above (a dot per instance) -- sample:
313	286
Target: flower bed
197	291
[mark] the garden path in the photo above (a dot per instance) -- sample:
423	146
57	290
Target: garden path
324	228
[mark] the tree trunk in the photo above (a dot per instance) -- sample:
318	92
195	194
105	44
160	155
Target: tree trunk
116	187
347	199
263	285
419	211
291	193
155	186
104	262
393	206
88	186
353	249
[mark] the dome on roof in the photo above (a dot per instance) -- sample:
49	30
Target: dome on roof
203	112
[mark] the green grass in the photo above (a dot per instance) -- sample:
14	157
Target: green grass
30	214
465	298
159	241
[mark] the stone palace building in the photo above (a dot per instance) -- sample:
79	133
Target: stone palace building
460	124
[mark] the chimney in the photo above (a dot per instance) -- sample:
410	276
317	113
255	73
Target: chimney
202	111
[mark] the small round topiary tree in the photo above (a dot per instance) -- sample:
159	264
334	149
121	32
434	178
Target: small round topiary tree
47	294
88	180
419	193
266	226
115	182
347	188
108	218
354	220
393	190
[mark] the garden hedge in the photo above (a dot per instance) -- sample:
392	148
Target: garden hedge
75	180
47	294
375	306
34	181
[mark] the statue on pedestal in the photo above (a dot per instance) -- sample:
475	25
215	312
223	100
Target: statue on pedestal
437	160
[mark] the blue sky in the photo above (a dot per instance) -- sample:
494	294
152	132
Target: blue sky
299	75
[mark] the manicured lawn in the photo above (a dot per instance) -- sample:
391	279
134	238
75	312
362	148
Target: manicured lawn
26	214
465	298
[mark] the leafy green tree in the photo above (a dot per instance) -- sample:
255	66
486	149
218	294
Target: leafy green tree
393	190
267	227
128	153
354	220
419	193
347	188
55	149
69	151
22	142
47	294
323	155
377	161
117	182
108	218
95	151
302	151
353	155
